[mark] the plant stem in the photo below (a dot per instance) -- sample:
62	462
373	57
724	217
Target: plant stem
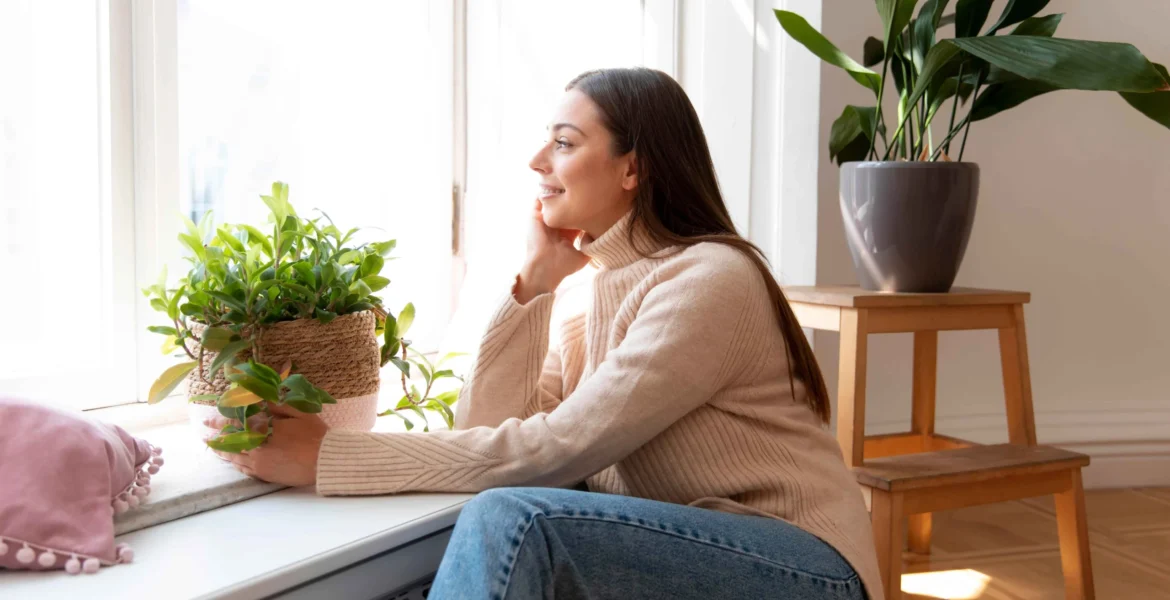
955	131
975	97
955	105
881	88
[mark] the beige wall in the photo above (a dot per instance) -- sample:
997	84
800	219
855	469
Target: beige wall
1074	207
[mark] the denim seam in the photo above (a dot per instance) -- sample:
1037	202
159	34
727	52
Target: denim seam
742	552
510	562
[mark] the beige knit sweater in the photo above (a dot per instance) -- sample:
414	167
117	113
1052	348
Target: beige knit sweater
673	385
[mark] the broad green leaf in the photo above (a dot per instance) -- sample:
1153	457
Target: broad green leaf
371	265
173	305
192	228
1155	105
299	388
360	288
376	282
924	28
937	60
1068	64
852	125
324	316
228	300
237	442
305	405
226	237
390	411
384	248
259	387
895	15
873	53
437	375
216	338
237	397
1002	96
163	330
442	409
1040	26
305	271
349	256
1016	11
402	366
228	353
810	38
193	244
158	304
260	371
449	356
448	397
390	330
256	237
405	319
425	372
168	381
205	226
970	15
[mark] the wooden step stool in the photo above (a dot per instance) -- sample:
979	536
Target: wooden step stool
915	473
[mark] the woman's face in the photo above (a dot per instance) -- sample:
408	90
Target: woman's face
582	184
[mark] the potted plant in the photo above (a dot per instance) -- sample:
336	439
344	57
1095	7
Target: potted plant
288	317
907	208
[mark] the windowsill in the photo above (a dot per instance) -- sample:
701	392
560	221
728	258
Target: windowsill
193	479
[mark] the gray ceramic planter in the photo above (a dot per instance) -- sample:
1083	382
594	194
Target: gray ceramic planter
907	223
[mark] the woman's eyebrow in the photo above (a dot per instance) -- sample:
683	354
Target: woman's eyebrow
557	126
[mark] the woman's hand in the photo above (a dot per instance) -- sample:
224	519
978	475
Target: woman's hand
551	258
289	457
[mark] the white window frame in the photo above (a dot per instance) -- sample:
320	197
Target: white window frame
140	105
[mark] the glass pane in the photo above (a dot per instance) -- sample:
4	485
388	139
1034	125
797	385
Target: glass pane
52	243
342	103
521	54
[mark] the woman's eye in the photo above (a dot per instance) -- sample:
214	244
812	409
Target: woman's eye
563	143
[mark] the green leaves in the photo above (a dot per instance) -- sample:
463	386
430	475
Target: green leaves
810	38
1016	11
895	15
970	15
303	396
1154	105
1002	96
217	338
405	319
1039	26
168	381
849	137
238	442
1068	64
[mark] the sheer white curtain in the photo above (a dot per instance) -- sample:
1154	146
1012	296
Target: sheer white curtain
521	53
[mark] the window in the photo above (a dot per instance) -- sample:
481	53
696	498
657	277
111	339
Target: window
371	111
63	319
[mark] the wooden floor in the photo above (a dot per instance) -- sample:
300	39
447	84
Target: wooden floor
1009	551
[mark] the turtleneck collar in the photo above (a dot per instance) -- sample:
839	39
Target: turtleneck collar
613	249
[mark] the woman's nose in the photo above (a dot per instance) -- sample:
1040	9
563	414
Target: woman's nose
539	162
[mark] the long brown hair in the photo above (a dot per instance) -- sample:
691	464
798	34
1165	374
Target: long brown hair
678	200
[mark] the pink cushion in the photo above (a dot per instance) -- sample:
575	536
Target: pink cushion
63	476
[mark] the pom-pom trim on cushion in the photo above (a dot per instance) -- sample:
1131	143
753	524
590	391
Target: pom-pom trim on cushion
48	557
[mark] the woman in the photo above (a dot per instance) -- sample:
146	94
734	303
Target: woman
685	397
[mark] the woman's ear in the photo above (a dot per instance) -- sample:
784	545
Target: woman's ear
630	173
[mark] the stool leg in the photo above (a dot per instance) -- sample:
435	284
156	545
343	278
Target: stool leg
851	386
922	423
1017	381
919	528
1073	527
886	520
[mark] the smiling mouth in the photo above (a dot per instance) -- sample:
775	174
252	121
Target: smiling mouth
547	191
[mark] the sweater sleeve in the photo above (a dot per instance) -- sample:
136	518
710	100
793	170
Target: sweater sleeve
678	351
515	373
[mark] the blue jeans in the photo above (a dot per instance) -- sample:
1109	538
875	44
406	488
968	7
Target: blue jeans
556	543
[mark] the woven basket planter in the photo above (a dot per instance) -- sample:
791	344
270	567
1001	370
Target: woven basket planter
341	358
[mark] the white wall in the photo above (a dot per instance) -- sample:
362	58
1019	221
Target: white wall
1072	208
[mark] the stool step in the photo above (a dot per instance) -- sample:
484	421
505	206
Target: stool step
964	465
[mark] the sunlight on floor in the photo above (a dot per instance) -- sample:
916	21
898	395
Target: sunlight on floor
962	584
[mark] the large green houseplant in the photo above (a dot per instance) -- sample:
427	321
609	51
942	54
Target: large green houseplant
255	304
908	209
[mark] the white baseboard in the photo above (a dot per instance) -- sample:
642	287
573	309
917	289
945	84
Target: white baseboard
1128	448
